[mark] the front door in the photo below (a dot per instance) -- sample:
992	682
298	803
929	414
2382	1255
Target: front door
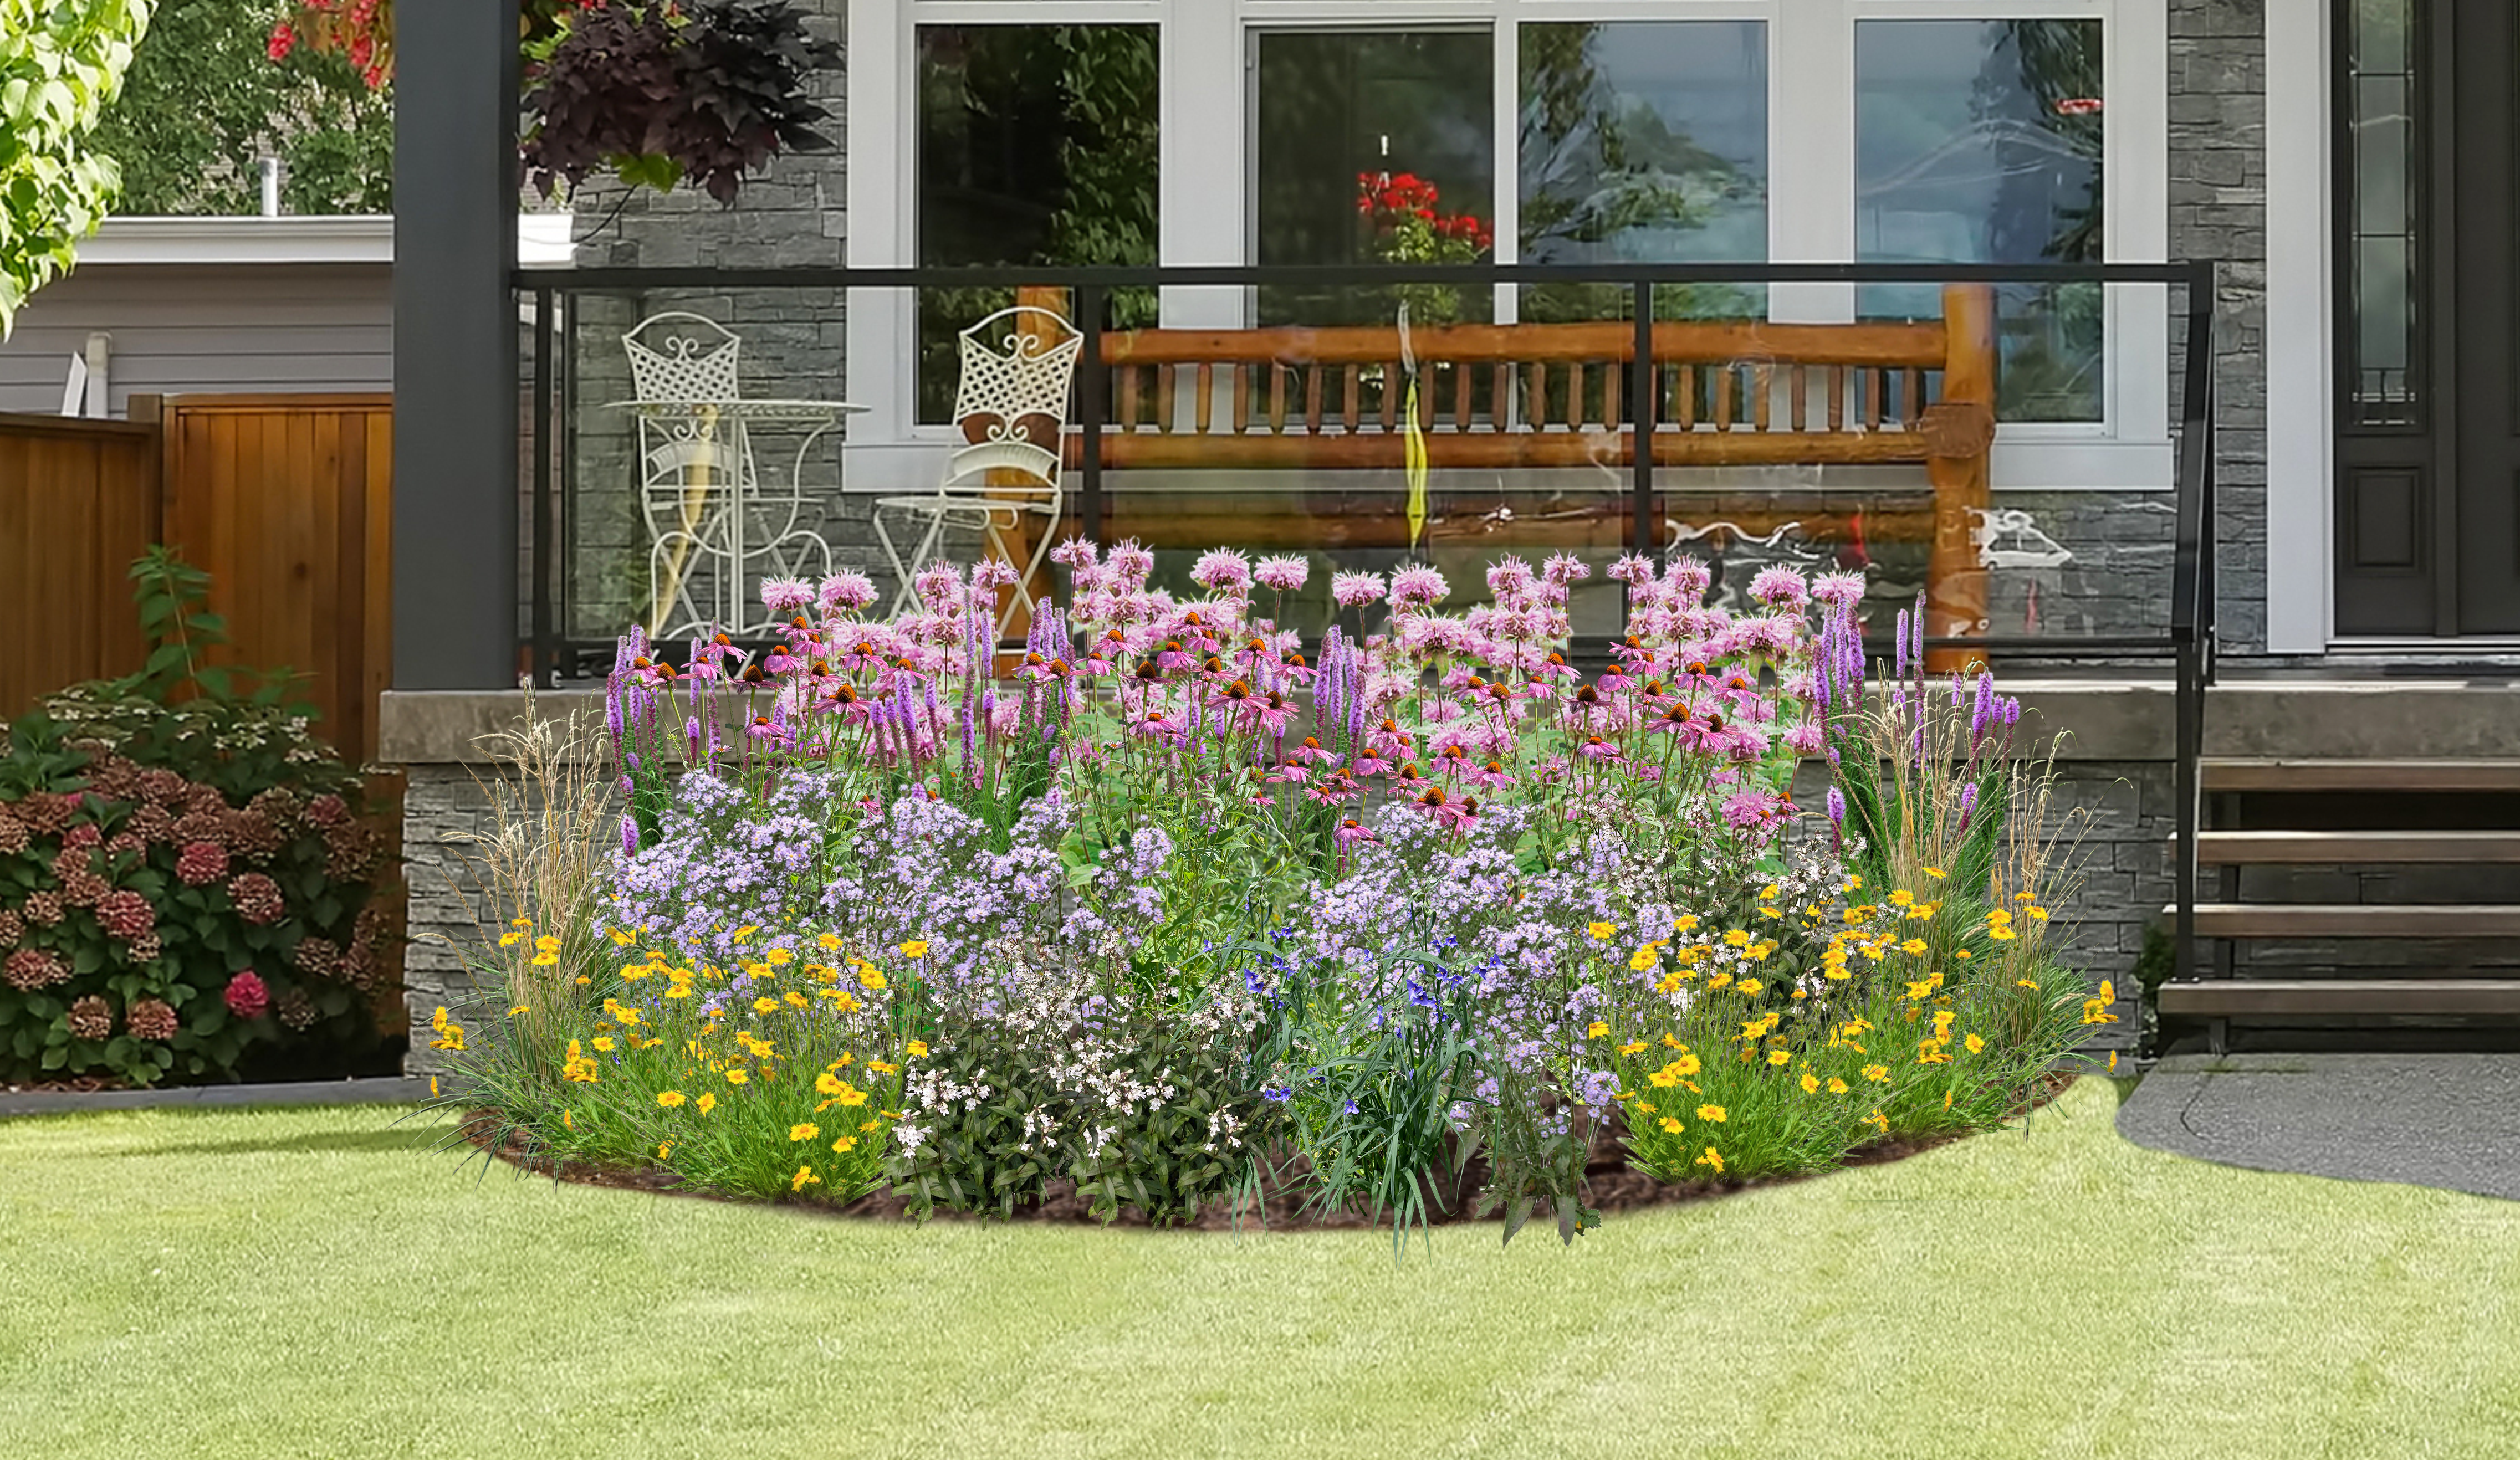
2428	338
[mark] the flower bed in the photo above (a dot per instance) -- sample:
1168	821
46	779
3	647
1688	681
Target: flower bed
1172	909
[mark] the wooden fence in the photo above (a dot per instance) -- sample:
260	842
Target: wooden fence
78	500
285	500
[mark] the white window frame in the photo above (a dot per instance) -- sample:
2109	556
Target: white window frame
1204	151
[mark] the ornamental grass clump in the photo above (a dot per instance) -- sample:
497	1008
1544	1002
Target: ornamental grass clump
1175	911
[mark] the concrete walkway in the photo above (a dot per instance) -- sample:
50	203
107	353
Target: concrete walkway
382	1091
2451	1120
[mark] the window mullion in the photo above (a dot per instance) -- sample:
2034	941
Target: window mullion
1811	153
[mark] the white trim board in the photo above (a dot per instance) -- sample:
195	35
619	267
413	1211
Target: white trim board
2300	339
542	240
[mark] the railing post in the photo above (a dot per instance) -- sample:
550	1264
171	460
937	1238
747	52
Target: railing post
546	665
1092	381
1961	427
1641	528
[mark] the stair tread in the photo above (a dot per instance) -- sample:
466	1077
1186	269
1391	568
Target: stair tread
2241	848
2287	773
2354	919
2244	995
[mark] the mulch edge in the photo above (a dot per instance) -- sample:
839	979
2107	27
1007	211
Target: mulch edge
1611	1187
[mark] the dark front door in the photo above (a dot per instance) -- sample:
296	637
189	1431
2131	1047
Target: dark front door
2428	419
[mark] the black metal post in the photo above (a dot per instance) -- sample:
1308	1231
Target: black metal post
456	504
1092	385
1641	411
546	666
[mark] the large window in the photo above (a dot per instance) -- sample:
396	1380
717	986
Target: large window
1642	141
1979	142
1577	131
1336	112
1037	144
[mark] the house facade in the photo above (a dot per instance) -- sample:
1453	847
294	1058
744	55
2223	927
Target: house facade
2364	402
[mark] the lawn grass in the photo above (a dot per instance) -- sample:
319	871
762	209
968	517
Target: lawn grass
319	1282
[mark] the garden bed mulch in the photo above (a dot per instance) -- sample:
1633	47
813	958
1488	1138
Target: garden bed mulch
1610	1184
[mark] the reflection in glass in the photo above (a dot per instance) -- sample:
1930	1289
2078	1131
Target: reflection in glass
1979	142
1362	136
1037	144
2381	86
1647	141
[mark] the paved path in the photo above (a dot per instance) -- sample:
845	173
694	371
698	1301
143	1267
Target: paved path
2451	1120
383	1091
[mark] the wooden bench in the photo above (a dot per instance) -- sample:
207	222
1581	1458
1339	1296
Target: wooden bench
1510	397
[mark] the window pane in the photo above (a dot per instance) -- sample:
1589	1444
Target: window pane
1643	140
2380	182
1037	144
1415	109
1979	142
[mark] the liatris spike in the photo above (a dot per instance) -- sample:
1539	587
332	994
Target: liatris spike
1899	664
1837	818
612	703
1984	706
1968	804
629	837
1917	652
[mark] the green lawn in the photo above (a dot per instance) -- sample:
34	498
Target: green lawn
321	1283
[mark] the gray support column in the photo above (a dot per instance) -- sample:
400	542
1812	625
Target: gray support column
455	520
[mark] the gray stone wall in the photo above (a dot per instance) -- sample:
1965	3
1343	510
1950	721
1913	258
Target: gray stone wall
442	806
2217	210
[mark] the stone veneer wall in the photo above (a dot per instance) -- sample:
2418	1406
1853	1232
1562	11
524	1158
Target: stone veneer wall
2217	210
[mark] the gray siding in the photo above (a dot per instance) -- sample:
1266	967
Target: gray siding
241	329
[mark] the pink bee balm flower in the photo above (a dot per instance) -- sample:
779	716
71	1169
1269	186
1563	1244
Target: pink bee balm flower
786	595
1418	585
1284	574
1355	590
1838	590
847	593
1780	588
1223	573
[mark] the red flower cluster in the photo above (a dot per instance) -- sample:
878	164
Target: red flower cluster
257	899
247	995
151	1019
1389	198
202	862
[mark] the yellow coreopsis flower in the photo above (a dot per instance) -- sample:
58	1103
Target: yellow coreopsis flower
670	1098
621	937
1877	1073
664	1149
1810	1083
511	940
1671	1124
1599	1031
1973	1044
845	1144
1913	946
1779	1056
1663	1078
1880	1121
1751	987
794	998
1710	1159
780	957
803	1178
602	1044
1633	1046
736	1076
828	1083
706	1102
1687	922
1836	1086
869	976
765	1006
1645	957
915	947
803	1130
626	1015
1713	1113
916	1049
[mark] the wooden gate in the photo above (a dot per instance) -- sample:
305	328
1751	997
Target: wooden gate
78	500
287	502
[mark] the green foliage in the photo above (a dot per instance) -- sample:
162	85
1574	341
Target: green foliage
204	103
60	63
153	849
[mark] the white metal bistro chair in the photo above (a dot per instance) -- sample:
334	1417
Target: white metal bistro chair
714	525
1012	406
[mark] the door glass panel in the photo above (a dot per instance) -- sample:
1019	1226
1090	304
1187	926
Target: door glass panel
1372	145
2381	252
1643	140
1980	142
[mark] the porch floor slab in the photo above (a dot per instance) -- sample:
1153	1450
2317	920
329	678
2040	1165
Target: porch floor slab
2450	1121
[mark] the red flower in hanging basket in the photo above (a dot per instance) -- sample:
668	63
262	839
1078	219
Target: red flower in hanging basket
2079	106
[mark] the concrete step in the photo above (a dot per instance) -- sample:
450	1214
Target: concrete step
2352	921
2244	997
2354	848
2286	775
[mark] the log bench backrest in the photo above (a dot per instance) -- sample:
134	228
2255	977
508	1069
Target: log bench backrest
1530	395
